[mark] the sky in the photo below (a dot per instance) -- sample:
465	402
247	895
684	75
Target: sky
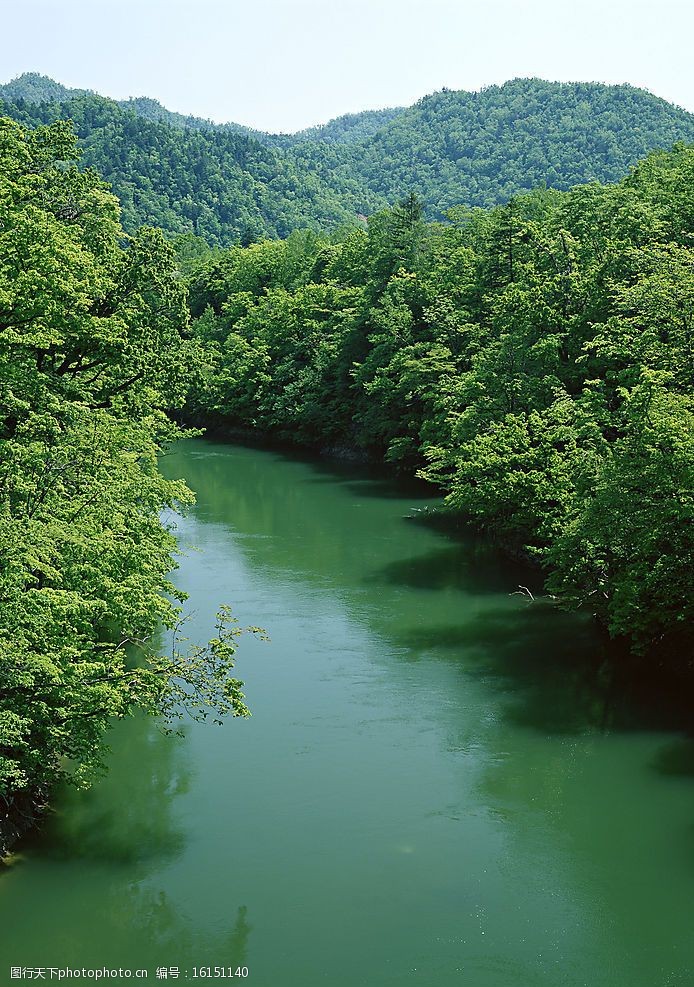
281	65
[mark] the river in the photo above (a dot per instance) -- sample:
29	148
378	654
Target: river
438	784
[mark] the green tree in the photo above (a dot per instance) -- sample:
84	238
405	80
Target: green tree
94	348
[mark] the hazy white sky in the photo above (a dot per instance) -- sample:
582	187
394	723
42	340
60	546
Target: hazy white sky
287	64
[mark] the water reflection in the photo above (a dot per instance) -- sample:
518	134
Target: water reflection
676	759
466	566
163	933
238	938
127	818
107	855
450	599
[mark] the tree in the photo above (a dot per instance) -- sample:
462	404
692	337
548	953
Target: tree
94	347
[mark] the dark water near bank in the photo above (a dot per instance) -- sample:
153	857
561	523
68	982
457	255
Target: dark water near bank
437	787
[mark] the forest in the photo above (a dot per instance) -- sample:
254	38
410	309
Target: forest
229	184
528	352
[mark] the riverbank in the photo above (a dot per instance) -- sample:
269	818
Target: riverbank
19	814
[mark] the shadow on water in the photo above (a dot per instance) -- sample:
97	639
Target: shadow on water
105	826
374	480
107	849
380	488
361	477
563	673
238	939
172	933
556	671
101	838
467	565
676	759
560	677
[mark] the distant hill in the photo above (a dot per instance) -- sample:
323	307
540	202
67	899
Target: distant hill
482	147
218	184
35	88
348	128
229	183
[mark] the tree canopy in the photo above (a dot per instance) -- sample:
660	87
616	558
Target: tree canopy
94	346
534	360
231	184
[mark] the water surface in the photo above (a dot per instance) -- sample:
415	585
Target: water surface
440	783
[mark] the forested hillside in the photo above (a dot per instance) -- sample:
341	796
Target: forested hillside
481	148
219	185
535	360
32	87
229	184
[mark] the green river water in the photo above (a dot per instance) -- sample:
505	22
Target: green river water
439	784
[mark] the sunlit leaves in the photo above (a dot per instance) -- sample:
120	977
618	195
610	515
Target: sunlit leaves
94	346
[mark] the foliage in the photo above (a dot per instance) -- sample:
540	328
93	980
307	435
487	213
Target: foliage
481	148
218	184
94	346
230	184
535	360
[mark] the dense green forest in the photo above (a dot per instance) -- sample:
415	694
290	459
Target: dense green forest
218	185
535	360
94	344
34	88
229	184
531	354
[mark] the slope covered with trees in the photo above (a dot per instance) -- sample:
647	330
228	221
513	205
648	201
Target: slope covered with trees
219	185
481	148
229	184
535	360
31	87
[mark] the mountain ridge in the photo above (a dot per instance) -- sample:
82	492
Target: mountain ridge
228	183
36	88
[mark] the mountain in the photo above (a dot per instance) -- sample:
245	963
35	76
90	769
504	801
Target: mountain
348	128
480	148
221	185
228	183
35	88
